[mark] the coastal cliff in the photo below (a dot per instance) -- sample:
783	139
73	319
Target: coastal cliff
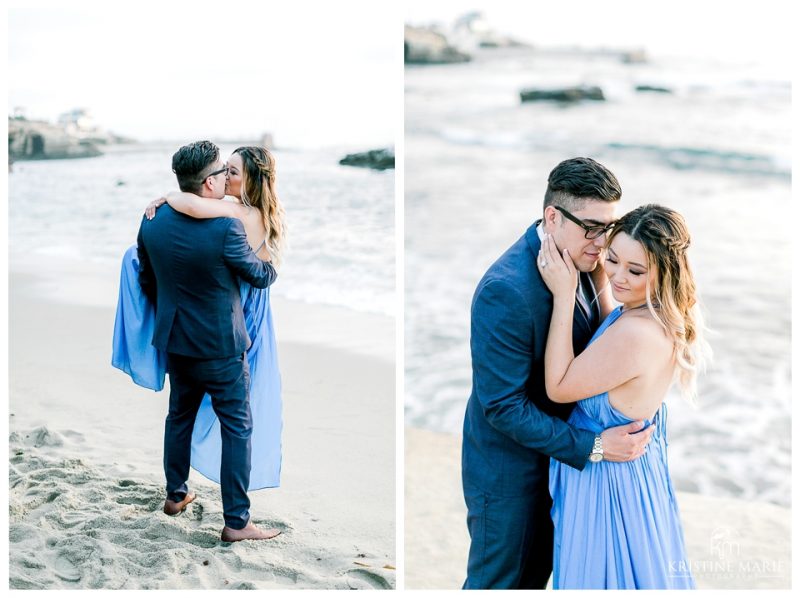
425	46
40	140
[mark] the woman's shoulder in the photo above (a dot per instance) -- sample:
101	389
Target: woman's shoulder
242	212
250	218
250	215
640	332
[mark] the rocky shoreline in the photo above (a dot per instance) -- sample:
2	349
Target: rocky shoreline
39	140
42	140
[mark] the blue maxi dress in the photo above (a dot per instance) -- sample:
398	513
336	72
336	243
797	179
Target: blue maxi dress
617	525
134	354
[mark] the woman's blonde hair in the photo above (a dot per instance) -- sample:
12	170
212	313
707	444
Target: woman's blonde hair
258	191
673	299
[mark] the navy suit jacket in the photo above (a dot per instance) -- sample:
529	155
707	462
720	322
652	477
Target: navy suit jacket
189	267
511	427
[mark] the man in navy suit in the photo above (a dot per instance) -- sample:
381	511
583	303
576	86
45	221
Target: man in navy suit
511	428
189	268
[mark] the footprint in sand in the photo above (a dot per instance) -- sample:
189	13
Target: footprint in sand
130	492
195	511
366	579
64	569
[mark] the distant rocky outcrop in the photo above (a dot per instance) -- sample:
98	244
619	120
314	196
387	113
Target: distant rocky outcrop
563	94
267	141
39	140
425	46
380	159
637	56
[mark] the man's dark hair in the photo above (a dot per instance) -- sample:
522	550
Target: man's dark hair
190	164
576	180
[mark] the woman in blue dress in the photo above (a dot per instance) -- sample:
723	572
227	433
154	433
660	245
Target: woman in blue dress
251	181
617	525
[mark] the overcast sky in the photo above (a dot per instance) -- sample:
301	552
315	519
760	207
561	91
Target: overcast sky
749	30
317	73
312	73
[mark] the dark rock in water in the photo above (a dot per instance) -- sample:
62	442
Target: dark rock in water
564	94
380	159
424	46
653	88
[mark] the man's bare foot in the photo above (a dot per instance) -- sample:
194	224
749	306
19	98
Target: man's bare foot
248	532
173	508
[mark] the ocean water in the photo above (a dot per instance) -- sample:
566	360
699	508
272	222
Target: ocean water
340	219
717	149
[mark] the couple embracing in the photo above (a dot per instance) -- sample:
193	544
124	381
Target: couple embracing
194	302
564	461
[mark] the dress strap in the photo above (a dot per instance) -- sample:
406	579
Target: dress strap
661	414
660	420
263	244
611	318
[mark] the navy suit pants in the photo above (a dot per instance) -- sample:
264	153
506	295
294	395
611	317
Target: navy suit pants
511	540
227	381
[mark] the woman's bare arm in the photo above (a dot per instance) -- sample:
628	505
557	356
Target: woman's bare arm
196	206
615	358
202	207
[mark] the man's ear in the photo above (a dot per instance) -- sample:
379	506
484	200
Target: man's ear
549	217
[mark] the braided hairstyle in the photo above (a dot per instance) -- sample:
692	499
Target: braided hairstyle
672	300
258	191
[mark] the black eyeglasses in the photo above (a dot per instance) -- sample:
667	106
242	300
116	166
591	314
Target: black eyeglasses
216	172
593	231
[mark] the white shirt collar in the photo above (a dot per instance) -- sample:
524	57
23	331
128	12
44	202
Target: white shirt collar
581	290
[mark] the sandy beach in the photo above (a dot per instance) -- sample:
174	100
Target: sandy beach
86	478
732	544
